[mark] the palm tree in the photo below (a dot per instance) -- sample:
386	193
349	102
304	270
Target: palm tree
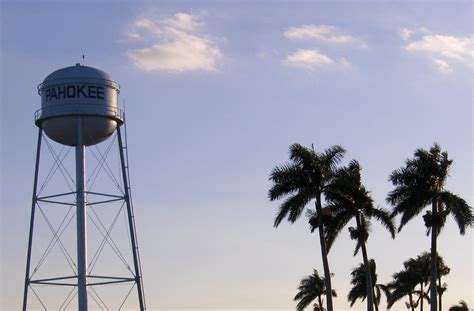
307	177
403	284
359	282
420	268
420	183
416	273
311	287
462	306
348	199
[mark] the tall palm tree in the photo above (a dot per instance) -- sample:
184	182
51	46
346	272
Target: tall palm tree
349	199
359	284
306	177
420	183
312	287
462	306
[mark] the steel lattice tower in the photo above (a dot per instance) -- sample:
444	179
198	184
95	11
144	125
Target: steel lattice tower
79	110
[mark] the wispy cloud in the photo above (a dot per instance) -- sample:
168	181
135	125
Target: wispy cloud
407	33
322	33
309	59
184	21
313	58
445	51
177	45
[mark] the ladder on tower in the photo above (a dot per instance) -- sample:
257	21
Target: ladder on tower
129	190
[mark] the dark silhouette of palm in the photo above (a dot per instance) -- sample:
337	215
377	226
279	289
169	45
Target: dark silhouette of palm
442	270
416	273
462	306
306	177
349	199
359	284
420	183
312	287
403	284
420	268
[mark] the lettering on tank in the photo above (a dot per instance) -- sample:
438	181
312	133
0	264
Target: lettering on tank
74	91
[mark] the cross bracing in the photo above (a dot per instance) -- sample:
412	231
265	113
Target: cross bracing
57	212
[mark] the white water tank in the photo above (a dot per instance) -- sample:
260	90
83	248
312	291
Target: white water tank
79	94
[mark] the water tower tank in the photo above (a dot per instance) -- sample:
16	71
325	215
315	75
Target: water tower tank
78	93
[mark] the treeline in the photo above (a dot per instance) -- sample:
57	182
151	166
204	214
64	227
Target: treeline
339	196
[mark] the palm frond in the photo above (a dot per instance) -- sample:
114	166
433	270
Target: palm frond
292	208
301	155
444	166
310	288
462	212
384	218
410	208
287	179
358	281
332	230
304	301
462	306
332	157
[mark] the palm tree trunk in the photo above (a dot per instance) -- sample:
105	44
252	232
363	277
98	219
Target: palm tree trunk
433	294
320	303
324	254
375	303
411	301
421	296
440	293
368	276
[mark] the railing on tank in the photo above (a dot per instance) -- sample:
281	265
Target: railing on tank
80	109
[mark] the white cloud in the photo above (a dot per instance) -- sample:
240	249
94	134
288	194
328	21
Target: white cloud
184	21
407	33
443	66
323	33
178	45
148	25
312	60
445	51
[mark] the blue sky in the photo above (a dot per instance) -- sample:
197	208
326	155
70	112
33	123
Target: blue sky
215	93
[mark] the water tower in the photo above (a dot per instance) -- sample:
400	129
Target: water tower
79	109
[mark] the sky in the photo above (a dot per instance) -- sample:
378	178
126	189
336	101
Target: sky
215	93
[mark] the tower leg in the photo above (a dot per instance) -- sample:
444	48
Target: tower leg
131	225
32	221
81	220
